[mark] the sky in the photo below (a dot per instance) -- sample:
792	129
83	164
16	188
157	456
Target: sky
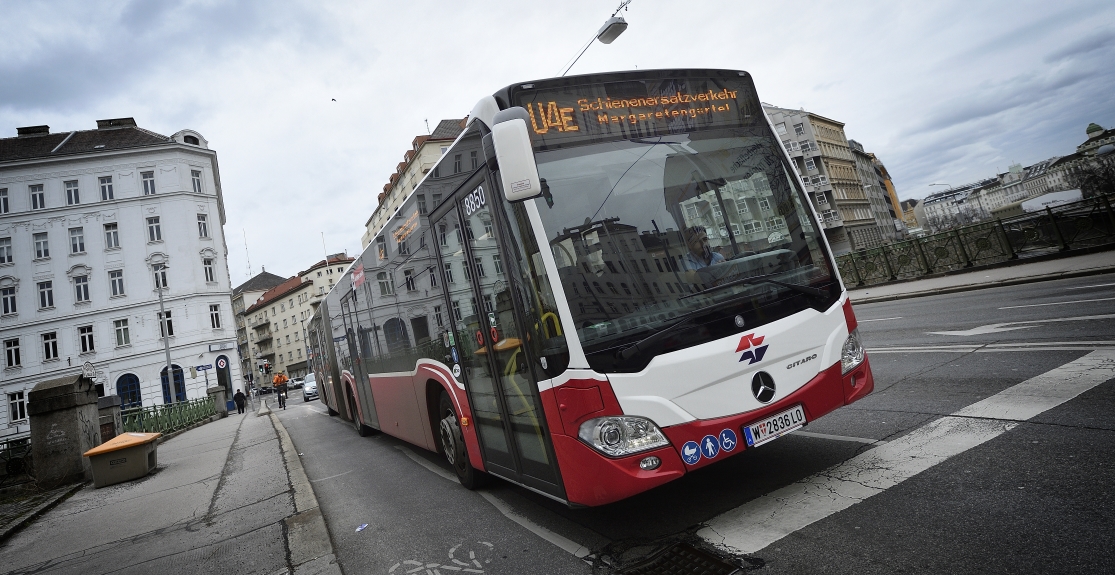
942	92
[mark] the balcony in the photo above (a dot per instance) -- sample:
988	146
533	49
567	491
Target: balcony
263	335
831	219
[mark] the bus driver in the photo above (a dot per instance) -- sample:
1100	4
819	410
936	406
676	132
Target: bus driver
700	254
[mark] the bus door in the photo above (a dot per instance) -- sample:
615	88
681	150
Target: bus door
487	328
357	356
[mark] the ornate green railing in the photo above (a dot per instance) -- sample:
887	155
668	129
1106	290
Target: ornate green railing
169	417
1084	224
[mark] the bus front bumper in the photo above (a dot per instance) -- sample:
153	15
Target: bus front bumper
592	479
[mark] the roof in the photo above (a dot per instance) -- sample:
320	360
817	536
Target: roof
448	129
278	292
36	141
264	280
333	259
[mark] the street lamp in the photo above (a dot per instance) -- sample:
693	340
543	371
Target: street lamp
160	269
611	30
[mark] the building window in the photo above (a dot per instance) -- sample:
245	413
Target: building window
148	179
776	223
116	282
403	248
479	267
207	265
106	188
421	204
6	251
42	246
112	236
408	277
437	316
810	164
154	230
457	164
8	296
433	277
752	227
38	198
799	129
215	315
384	284
160	276
381	248
457	310
50	346
85	335
77	240
46	295
81	289
11	353
780	128
195	176
764	204
72	196
169	323
442	238
202	226
4	206
120	326
475	160
449	273
17	407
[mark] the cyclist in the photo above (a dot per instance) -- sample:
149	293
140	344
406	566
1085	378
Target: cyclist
280	388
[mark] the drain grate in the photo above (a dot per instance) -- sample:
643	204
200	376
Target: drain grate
682	559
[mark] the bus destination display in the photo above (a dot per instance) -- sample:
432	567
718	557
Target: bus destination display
578	114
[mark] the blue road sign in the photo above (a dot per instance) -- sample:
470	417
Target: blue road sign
728	440
710	446
204	367
690	453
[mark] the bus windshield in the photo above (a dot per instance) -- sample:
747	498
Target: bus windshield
704	226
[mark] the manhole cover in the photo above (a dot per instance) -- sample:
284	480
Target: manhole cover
682	559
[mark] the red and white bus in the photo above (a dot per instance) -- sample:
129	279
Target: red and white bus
606	282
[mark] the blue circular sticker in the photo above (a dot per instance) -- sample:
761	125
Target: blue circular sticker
710	446
690	453
728	440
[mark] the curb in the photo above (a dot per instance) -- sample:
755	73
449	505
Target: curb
973	287
311	549
11	528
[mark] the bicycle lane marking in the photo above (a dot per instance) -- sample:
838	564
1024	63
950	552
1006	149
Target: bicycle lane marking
760	522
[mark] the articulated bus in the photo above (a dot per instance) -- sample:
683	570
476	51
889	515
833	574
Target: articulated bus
606	282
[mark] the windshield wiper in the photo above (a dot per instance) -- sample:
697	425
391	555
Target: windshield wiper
641	345
807	290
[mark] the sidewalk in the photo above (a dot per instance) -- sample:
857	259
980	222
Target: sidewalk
1022	272
229	496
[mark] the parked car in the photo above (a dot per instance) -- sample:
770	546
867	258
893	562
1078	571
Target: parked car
309	388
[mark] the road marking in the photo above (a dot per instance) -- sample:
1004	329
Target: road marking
998	347
881	319
998	327
331	476
762	521
1095	286
568	545
836	437
1058	303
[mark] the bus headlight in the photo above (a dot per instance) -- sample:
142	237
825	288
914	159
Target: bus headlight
852	354
617	436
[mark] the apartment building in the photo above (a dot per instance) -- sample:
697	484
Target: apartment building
94	226
423	155
244	296
888	226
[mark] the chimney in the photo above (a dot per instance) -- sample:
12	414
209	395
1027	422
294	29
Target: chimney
116	123
32	131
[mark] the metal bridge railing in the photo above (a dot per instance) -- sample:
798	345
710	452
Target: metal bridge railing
169	417
1085	224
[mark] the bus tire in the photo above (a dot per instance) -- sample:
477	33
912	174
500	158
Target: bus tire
452	442
361	429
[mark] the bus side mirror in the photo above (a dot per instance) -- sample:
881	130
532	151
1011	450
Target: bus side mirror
515	156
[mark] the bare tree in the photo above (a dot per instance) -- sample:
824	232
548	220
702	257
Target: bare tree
1094	176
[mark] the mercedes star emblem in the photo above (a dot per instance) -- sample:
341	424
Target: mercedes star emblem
762	386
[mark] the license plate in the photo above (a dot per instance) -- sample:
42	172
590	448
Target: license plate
774	426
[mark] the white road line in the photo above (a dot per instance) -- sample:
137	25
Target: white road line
1000	327
1058	303
331	476
880	319
576	549
760	522
1095	286
836	437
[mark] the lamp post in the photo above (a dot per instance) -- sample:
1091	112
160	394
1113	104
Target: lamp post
160	284
611	30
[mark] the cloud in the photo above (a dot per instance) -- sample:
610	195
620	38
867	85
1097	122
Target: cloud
1098	41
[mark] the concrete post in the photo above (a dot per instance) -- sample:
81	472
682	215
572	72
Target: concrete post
108	411
220	403
64	425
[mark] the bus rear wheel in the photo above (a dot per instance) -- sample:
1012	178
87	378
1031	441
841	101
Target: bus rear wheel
453	445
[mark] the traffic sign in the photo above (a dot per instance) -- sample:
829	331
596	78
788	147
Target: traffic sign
690	453
204	367
710	446
728	440
222	363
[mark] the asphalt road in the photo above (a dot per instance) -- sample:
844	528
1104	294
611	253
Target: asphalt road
985	448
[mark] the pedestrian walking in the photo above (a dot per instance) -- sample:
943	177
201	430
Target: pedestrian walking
280	388
240	399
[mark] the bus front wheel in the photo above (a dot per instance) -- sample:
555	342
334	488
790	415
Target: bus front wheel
453	445
361	429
